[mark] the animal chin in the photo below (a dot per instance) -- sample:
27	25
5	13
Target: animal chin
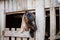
33	22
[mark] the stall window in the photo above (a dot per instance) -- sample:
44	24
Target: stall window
47	29
13	20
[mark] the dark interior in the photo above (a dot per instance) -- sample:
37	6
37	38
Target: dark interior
13	20
57	21
47	29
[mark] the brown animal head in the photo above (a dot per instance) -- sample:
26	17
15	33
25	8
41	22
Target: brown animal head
28	22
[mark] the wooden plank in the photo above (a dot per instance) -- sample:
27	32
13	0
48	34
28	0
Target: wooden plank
18	38
6	38
22	11
24	38
57	37
6	29
52	24
17	34
14	5
12	38
31	38
10	6
40	20
59	1
52	20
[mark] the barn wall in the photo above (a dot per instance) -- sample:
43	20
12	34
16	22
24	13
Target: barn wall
2	17
15	5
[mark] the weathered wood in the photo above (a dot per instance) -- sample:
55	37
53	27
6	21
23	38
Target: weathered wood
16	34
20	12
6	6
52	23
40	20
6	29
31	38
2	19
57	37
12	38
58	1
18	38
6	38
24	38
10	6
52	20
14	5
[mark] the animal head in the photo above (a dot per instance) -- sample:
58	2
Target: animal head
29	20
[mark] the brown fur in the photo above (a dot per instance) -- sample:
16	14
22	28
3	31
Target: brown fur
26	25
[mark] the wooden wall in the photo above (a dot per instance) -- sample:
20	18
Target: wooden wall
25	4
2	18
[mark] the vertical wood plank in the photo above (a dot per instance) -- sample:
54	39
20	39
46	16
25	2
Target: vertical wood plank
10	5
24	38
6	29
6	38
52	23
40	20
17	37
31	38
19	5
13	38
6	6
52	20
14	5
29	4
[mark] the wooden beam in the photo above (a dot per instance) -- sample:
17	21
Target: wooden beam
23	11
18	12
16	34
40	20
52	20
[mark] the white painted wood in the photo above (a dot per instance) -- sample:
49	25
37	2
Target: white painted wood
6	29
24	4
18	38
47	3
31	38
14	5
33	4
52	23
17	34
18	5
6	38
40	20
2	19
13	29
58	1
12	38
6	6
29	4
24	38
52	20
10	6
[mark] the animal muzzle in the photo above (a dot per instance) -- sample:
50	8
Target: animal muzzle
33	29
